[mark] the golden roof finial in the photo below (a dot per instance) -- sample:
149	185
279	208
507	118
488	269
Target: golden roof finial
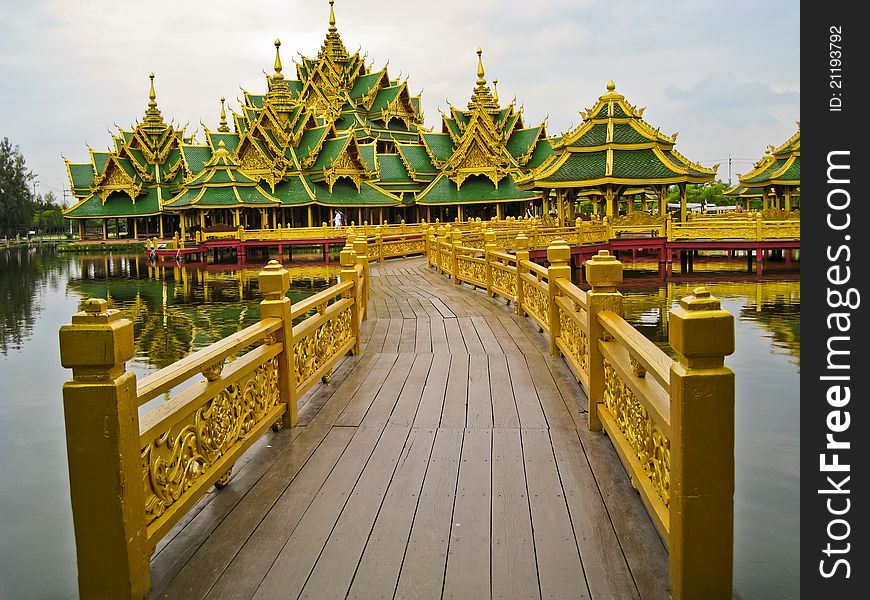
221	149
151	95
278	66
332	17
223	125
495	90
480	73
611	86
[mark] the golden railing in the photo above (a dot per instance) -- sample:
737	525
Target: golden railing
133	478
671	422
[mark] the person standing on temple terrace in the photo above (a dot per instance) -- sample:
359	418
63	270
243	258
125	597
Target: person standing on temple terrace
337	219
530	211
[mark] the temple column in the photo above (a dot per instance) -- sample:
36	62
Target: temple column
499	213
310	215
682	187
183	225
459	212
609	202
135	228
629	204
663	201
560	208
359	220
788	199
201	220
160	226
82	228
572	200
105	229
236	218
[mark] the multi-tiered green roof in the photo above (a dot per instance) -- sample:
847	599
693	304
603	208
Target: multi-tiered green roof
778	173
479	153
612	152
137	177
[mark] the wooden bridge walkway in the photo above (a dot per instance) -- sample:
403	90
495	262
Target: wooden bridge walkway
450	460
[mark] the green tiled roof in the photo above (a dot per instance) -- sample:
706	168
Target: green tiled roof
367	154
580	166
617	110
453	127
521	141
623	133
765	174
475	189
82	175
100	159
127	167
344	193
256	100
309	140
416	157
639	164
392	169
329	152
508	125
793	172
543	150
292	192
196	157
415	104
439	144
385	97
364	84
118	204
295	86
230	140
596	136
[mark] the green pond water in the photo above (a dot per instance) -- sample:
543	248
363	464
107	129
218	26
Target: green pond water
176	310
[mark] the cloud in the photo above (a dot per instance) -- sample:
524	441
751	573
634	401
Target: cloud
721	98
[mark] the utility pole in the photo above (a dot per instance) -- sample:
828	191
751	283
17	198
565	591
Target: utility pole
729	169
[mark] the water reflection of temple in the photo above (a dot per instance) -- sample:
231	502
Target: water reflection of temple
178	308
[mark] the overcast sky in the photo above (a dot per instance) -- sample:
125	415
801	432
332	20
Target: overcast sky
723	74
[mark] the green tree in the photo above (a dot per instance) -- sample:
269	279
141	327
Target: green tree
16	198
712	193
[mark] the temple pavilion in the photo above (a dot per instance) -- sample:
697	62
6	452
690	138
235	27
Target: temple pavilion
611	159
342	135
776	178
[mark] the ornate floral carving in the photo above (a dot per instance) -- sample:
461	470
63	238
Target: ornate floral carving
652	448
575	339
536	302
473	271
174	460
504	282
403	248
321	345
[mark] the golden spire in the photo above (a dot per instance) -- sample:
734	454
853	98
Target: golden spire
332	45
153	122
480	73
151	94
223	126
611	86
495	90
278	67
332	27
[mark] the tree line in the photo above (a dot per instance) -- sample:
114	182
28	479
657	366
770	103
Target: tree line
22	210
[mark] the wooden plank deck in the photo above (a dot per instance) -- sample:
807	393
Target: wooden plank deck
450	460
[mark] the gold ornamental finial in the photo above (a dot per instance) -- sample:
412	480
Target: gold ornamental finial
611	86
223	125
222	149
332	16
495	90
278	67
151	95
480	73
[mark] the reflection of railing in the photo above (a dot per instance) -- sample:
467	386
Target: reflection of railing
403	239
251	381
671	422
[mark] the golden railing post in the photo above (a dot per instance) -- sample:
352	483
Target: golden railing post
488	247
758	227
431	245
175	244
702	449
559	256
101	414
348	273
522	254
603	274
608	229
456	242
379	241
669	227
274	282
360	246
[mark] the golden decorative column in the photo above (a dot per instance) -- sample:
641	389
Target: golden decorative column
488	248
274	282
455	243
558	255
702	449
348	260
361	247
522	255
105	466
603	273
